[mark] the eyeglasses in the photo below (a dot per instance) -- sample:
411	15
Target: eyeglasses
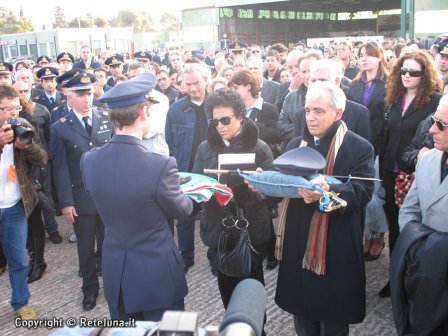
11	109
412	73
256	51
439	123
24	91
224	120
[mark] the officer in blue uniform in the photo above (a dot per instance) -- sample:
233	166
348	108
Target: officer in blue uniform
115	64
85	127
135	191
51	97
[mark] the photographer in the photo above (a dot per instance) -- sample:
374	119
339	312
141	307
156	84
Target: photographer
18	197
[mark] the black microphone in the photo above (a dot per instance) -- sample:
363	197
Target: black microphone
245	313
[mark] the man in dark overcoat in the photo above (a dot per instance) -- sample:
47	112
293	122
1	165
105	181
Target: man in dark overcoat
321	279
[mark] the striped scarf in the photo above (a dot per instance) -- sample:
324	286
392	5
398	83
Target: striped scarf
316	249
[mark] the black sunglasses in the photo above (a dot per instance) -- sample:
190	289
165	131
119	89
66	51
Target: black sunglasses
412	73
439	123
224	120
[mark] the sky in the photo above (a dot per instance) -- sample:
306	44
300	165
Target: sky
41	12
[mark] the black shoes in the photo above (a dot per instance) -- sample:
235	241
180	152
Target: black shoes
187	265
37	272
271	264
55	238
385	291
89	302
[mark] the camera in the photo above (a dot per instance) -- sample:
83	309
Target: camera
21	131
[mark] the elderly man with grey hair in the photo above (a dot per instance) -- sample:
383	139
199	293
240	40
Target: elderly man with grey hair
321	278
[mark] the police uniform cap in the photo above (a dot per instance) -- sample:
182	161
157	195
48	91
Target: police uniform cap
142	55
302	161
65	56
237	46
114	60
443	48
43	59
5	68
80	83
68	75
47	72
131	92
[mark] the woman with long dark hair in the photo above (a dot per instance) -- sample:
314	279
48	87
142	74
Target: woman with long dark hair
368	89
413	93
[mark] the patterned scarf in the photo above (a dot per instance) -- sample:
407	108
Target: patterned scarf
316	249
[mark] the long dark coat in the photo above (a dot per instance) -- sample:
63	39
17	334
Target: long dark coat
338	296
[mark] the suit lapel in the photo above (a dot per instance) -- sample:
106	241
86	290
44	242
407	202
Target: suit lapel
358	92
76	125
437	190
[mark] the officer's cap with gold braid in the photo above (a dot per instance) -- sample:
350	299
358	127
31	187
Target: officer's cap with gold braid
5	68
80	83
131	92
47	72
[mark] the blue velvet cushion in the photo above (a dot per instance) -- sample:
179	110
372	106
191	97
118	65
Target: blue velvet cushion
275	184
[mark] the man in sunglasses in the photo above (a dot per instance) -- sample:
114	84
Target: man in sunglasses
419	290
237	49
17	196
442	61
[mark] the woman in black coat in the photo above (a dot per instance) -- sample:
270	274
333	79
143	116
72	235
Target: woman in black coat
413	94
368	89
230	132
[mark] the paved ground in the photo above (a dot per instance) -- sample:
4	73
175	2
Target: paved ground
58	294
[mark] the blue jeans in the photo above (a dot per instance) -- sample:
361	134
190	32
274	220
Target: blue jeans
13	233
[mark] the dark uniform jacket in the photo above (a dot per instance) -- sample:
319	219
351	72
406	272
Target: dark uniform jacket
68	142
43	100
135	192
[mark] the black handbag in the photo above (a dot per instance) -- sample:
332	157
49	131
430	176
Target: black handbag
235	256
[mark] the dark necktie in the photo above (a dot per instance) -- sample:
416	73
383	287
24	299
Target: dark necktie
444	166
52	101
87	125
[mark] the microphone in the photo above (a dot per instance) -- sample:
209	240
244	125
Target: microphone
245	313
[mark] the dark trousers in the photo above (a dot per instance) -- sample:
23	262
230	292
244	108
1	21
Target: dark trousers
390	208
49	211
270	250
319	328
185	237
86	228
119	313
36	227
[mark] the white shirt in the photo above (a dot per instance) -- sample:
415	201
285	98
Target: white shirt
154	141
80	116
9	191
258	104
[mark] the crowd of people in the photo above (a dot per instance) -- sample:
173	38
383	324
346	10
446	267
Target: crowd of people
371	109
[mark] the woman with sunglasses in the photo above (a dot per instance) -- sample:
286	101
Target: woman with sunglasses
230	132
413	93
368	89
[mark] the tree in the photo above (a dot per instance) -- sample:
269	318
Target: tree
81	22
141	21
9	24
101	22
59	18
169	22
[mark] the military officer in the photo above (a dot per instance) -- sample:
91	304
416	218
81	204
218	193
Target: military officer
115	64
5	73
65	60
43	61
143	57
51	97
85	127
143	270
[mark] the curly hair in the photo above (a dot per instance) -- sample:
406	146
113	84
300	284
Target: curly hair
429	84
374	49
225	98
